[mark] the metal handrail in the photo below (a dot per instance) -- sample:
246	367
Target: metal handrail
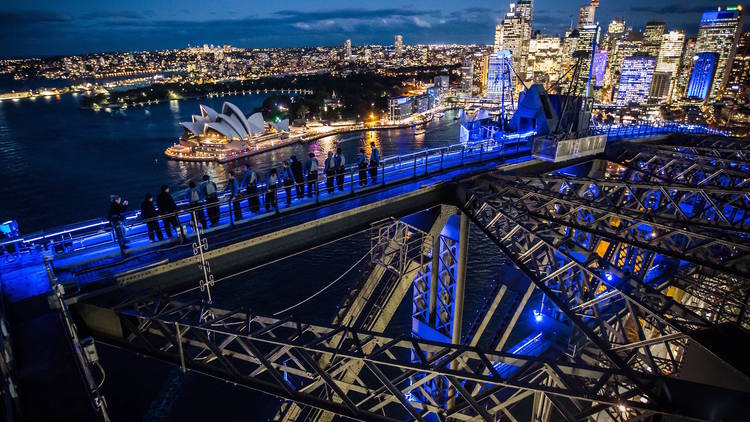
422	162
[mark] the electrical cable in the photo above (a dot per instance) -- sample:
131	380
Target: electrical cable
247	270
328	285
104	375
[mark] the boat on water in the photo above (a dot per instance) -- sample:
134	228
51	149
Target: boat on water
439	115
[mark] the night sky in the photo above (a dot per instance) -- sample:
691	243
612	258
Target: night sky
51	27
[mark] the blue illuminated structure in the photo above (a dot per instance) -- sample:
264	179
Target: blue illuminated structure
635	79
600	67
499	80
702	76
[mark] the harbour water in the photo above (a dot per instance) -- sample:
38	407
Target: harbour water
61	163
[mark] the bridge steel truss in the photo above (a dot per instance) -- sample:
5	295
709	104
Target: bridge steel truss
282	357
591	245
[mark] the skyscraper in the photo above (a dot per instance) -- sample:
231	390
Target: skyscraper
587	13
587	35
467	77
616	27
652	37
526	9
687	61
668	62
719	33
514	34
739	78
628	45
635	79
704	73
546	64
398	45
348	50
499	78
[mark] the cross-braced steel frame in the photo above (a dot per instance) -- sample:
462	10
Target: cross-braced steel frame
593	245
281	357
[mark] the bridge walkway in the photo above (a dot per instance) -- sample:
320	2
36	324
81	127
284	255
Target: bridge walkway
90	256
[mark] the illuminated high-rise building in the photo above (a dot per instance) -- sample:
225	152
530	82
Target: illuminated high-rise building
685	70
630	44
600	68
484	64
526	9
615	31
719	33
705	71
588	35
499	78
738	86
398	45
546	63
635	79
348	50
514	34
616	27
652	37
587	14
467	77
668	62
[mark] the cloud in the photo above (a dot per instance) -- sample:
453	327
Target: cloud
674	9
354	14
122	14
421	22
115	30
25	17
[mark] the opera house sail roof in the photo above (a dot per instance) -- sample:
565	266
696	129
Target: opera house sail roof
227	126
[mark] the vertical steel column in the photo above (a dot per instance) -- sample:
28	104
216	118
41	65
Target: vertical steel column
434	280
463	250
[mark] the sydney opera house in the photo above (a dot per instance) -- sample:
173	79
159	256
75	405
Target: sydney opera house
227	126
218	136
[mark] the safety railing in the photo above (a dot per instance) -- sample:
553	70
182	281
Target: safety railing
227	211
644	130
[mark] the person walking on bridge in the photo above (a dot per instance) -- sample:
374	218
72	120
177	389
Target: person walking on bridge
287	179
211	197
116	218
329	169
311	170
233	188
362	166
149	215
340	163
299	178
168	211
250	181
193	196
374	163
272	186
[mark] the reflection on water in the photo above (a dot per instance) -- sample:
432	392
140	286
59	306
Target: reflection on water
64	166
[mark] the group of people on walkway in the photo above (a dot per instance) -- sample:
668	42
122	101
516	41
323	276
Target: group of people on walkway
293	177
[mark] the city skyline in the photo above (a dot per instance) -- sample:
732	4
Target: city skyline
85	27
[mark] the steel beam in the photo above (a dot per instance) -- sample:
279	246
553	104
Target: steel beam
233	344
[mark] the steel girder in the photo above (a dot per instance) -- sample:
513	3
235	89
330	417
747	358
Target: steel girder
589	291
705	206
624	322
281	357
729	150
616	215
723	256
